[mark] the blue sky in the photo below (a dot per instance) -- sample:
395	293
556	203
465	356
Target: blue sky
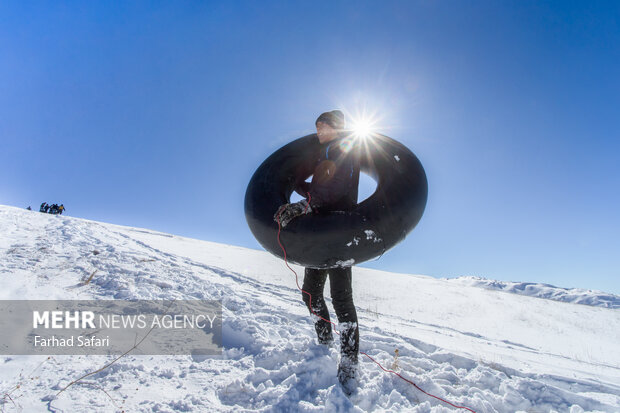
156	114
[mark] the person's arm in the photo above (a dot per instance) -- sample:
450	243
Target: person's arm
303	188
289	211
304	170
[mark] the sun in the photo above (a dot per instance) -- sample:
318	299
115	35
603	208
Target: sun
363	126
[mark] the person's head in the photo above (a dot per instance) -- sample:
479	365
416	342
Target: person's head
329	124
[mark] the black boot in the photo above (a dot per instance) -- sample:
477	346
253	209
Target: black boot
324	334
348	375
342	298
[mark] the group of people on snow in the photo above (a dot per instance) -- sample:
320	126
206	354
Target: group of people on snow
52	209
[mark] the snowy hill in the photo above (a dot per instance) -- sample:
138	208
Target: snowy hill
551	292
484	348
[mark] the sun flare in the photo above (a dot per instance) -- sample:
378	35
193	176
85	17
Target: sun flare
363	125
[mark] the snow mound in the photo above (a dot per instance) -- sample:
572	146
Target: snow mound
481	348
567	295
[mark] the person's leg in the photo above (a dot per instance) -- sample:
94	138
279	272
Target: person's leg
314	283
342	299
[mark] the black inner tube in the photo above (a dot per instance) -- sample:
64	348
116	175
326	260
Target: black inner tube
338	238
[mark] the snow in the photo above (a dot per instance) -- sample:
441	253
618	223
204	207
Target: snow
370	234
491	346
345	263
568	295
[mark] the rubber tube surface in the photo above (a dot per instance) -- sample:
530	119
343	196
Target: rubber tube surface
338	238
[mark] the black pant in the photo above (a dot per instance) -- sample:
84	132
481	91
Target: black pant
342	299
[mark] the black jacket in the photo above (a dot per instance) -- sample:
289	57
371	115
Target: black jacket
336	176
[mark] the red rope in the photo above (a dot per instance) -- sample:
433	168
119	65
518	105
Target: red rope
336	331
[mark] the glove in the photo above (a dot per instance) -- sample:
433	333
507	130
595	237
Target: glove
287	212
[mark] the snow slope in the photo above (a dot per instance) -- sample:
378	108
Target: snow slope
487	349
568	295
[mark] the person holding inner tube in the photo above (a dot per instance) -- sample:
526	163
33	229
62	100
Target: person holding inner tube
334	187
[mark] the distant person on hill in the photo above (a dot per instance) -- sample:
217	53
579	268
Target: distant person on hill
61	208
29	209
43	207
